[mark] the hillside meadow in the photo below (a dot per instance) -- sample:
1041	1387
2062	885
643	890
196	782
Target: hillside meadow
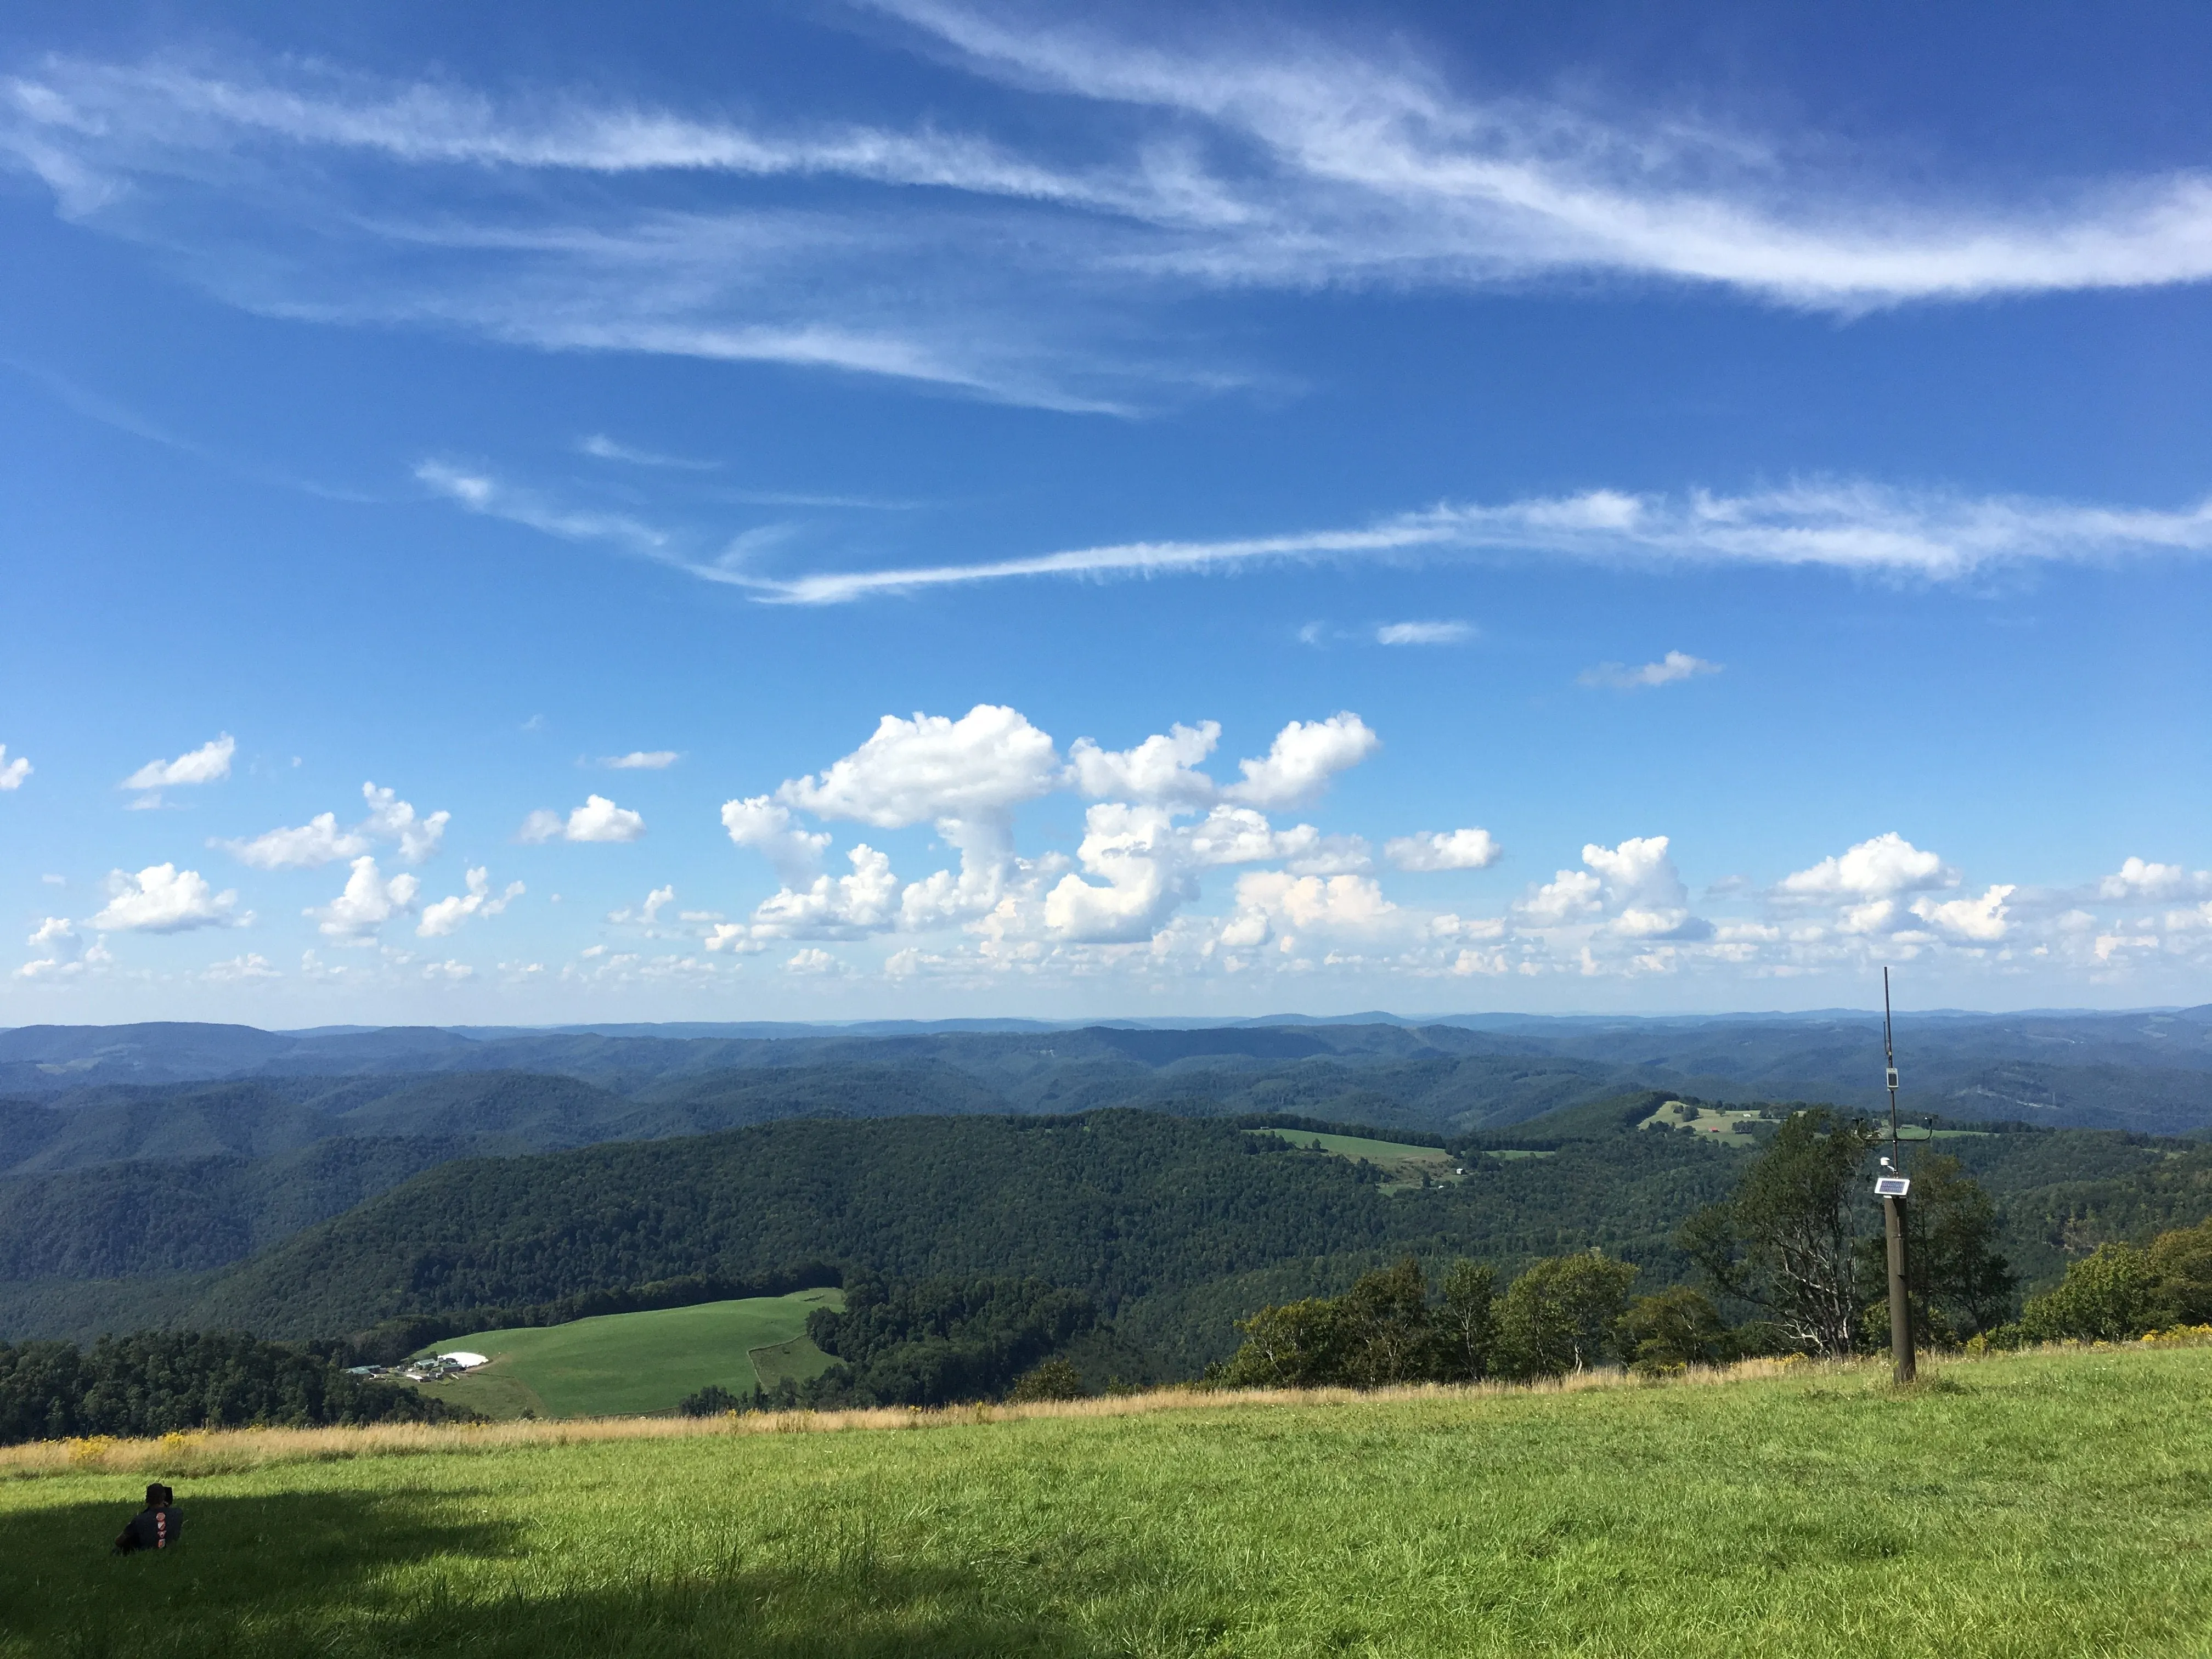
2051	1503
636	1362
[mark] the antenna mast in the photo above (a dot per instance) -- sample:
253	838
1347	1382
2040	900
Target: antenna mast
1894	1189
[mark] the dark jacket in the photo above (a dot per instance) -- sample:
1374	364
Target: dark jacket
152	1528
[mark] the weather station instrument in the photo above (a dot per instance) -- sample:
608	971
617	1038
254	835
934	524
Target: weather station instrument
1894	1189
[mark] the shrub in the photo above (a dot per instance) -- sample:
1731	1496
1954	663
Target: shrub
1052	1379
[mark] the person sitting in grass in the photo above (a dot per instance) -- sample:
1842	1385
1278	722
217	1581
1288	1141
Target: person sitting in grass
155	1527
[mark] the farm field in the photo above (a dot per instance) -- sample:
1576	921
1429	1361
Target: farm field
2017	1505
619	1365
1402	1165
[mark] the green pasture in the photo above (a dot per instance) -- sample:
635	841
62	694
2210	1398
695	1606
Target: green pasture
626	1364
1404	1165
2021	1505
1724	1125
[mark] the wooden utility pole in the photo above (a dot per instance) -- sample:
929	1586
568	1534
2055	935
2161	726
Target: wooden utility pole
1896	1190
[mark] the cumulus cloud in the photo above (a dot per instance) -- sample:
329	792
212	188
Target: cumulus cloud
813	961
391	818
1301	760
1630	891
209	763
596	819
1978	920
1443	849
12	772
648	911
319	840
1273	904
2136	879
62	952
369	902
1162	770
1423	633
932	767
239	970
766	825
163	899
446	915
1878	869
642	760
843	907
1675	666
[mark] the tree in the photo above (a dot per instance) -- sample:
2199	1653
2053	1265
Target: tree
1785	1242
712	1401
1959	1284
1294	1345
1385	1334
2110	1294
2182	1260
1467	1323
1561	1315
1674	1328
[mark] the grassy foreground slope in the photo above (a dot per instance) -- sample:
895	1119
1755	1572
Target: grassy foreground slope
2021	1505
616	1363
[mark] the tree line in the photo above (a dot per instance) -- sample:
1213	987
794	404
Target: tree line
159	1382
1789	1251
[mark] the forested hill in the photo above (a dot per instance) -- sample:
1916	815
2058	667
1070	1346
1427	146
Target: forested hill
2147	1070
1123	1204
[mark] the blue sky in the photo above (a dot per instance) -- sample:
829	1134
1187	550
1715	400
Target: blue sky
689	512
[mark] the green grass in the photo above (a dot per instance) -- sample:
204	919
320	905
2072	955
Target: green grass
1402	1165
2057	1505
627	1363
1719	1125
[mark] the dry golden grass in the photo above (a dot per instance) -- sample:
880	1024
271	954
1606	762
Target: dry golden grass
224	1451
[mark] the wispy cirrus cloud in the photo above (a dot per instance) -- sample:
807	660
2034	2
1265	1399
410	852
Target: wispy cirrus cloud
1853	527
1859	528
1674	666
1030	272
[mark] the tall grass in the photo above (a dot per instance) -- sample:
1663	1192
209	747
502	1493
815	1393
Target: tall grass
2017	1505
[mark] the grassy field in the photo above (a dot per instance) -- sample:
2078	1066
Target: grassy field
620	1363
2058	1503
1401	1165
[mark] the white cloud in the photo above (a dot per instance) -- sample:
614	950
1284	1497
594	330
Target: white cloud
1858	527
766	825
369	902
209	763
2136	879
163	899
1879	869
596	819
241	969
1273	903
844	906
1445	849
1979	921
12	772
448	972
813	961
933	768
1673	667
643	760
63	953
601	448
1629	892
446	915
1303	757
1160	769
1423	633
393	819
1132	848
318	841
1225	160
